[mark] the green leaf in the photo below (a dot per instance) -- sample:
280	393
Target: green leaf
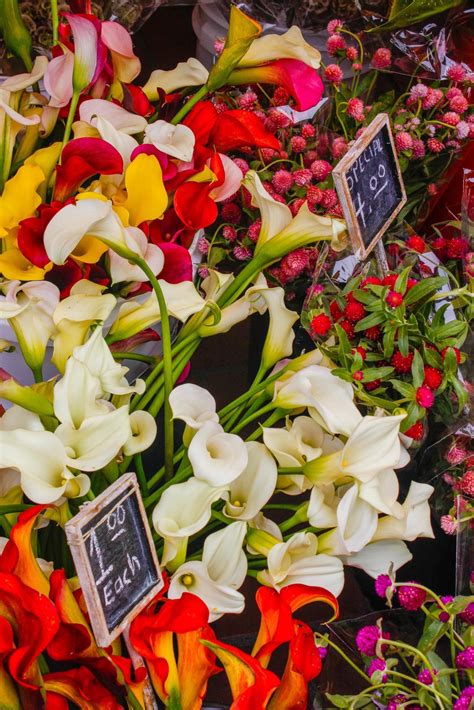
414	413
417	370
432	357
424	288
461	392
402	280
369	321
346	701
344	344
405	13
455	329
376	373
403	340
433	631
404	388
388	342
444	683
363	297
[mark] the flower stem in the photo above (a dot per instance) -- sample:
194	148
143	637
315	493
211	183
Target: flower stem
54	20
70	117
344	656
140	471
189	105
134	356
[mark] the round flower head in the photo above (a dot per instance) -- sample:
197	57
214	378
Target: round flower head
321	324
298	144
419	91
335	44
418	149
382	58
320	169
425	677
459	104
366	639
352	54
334	26
282	181
448	524
242	164
241	253
465	659
435	145
302	177
425	397
410	597
396	701
456	72
433	97
382	584
355	109
334	74
247	100
403	141
463	130
451	118
229	233
468	614
464	701
378	664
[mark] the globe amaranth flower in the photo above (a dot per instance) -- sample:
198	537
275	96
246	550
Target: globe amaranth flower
465	659
464	702
382	584
334	74
411	597
367	637
468	614
425	677
378	664
355	109
335	43
382	58
456	72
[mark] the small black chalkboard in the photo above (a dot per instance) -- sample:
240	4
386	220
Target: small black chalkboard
115	558
369	184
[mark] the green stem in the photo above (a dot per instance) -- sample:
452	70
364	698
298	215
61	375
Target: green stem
344	656
140	471
167	364
267	408
189	105
272	419
134	356
37	373
70	117
55	20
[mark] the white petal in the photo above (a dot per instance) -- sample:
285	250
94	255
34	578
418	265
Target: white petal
382	493
215	456
177	141
372	447
121	141
223	556
120	119
189	73
193	405
356	519
143	433
275	216
322	507
255	485
284	446
377	557
76	395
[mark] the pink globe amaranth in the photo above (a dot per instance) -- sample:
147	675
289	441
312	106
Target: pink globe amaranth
464	701
334	74
382	584
425	397
411	597
456	72
335	43
382	58
367	637
378	664
425	677
465	659
468	614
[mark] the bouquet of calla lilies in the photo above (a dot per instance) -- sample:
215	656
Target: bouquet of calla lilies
104	186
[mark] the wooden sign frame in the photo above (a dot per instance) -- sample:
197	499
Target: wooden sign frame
128	485
340	182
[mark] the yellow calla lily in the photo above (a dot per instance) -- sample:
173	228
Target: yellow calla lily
20	197
14	266
147	197
205	175
46	159
89	250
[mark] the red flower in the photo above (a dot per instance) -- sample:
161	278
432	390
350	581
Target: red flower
31	232
401	363
192	201
415	432
81	687
136	101
321	324
433	377
354	311
394	299
81	159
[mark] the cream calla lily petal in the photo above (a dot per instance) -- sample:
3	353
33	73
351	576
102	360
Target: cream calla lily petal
283	446
289	45
254	487
215	456
76	395
194	405
223	555
121	141
121	120
143	433
416	519
356	520
189	73
280	334
322	507
380	557
297	562
275	215
183	510
41	459
382	493
122	270
177	141
97	441
293	484
215	284
20	82
193	577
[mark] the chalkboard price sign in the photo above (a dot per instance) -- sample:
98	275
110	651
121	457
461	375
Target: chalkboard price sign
370	187
115	558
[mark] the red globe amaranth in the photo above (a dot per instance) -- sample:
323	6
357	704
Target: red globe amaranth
415	432
394	299
321	324
456	352
358	376
433	377
374	280
425	397
416	243
354	311
466	485
401	363
370	386
410	597
347	326
373	333
362	352
390	280
335	311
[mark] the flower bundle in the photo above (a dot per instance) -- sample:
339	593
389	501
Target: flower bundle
390	339
436	672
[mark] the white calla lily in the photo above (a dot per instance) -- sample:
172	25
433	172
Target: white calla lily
260	522
90	216
297	562
414	520
41	460
293	484
382	493
302	440
221	572
249	492
73	317
121	119
124	143
182	300
194	405
289	45
380	557
280	334
356	525
176	141
29	308
372	447
77	395
216	457
183	510
322	507
97	441
143	433
189	73
215	284
329	399
122	270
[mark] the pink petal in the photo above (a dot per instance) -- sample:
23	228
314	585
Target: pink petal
169	169
118	41
85	50
58	80
233	178
178	265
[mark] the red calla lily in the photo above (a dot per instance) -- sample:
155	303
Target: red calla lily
81	159
18	556
135	100
81	687
31	232
192	201
152	634
64	276
178	264
170	229
250	683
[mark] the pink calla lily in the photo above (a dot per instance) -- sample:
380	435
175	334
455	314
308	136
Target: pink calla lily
301	81
86	42
58	79
118	41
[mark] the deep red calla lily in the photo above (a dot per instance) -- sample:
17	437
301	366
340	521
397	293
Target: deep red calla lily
178	264
82	158
250	683
136	101
64	276
18	556
31	232
152	635
81	687
192	201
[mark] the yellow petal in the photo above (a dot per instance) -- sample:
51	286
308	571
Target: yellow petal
206	175
89	250
20	198
13	265
147	197
91	196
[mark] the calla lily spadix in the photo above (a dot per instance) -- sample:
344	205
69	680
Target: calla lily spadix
253	488
217	457
183	510
373	446
216	578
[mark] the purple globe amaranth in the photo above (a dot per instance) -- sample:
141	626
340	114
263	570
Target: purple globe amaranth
411	597
465	659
